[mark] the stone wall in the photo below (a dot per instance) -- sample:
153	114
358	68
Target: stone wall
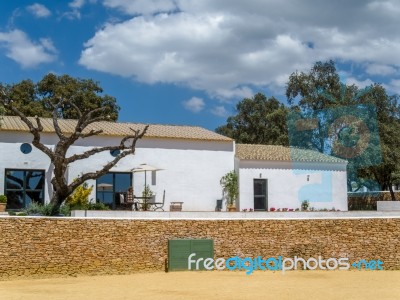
67	246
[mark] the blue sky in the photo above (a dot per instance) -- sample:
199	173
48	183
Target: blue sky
189	62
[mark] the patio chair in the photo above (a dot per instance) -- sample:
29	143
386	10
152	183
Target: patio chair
131	200
159	205
124	202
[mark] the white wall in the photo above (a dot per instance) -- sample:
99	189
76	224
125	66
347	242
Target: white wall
192	172
192	169
288	186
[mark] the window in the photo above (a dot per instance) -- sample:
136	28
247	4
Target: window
110	186
26	148
23	187
115	153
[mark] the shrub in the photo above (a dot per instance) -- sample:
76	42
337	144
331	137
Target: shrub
97	206
305	204
80	197
35	208
147	192
3	199
66	208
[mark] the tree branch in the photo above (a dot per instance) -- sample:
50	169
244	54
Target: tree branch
89	153
136	136
35	131
55	120
39	124
108	166
75	107
91	133
90	118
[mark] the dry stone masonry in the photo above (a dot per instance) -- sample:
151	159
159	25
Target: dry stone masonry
67	246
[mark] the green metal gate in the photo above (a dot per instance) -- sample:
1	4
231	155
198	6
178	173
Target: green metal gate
179	251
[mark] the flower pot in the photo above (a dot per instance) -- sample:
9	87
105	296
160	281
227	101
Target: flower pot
3	207
231	208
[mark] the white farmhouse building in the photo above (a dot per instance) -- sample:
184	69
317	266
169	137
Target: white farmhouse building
192	160
282	177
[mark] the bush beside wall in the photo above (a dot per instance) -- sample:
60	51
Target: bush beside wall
367	201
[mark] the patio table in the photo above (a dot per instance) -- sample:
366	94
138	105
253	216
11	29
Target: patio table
144	203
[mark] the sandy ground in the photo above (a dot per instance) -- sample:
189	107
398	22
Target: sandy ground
212	285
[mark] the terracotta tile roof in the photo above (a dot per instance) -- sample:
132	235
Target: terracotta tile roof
13	123
282	153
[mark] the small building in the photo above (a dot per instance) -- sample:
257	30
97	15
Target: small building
283	177
192	159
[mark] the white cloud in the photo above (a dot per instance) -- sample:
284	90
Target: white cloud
142	6
228	48
25	52
39	10
219	111
194	104
359	83
379	69
393	86
386	7
75	6
48	45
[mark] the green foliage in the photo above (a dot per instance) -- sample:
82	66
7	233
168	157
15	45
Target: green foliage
66	208
305	204
3	199
38	209
258	121
80	197
230	185
147	192
318	89
79	200
37	98
97	206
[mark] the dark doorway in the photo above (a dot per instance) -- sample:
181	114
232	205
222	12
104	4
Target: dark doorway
260	194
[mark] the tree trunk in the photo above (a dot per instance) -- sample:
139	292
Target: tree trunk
392	195
57	199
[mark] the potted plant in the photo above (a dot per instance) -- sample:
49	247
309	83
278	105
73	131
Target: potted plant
230	189
147	193
305	205
3	203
